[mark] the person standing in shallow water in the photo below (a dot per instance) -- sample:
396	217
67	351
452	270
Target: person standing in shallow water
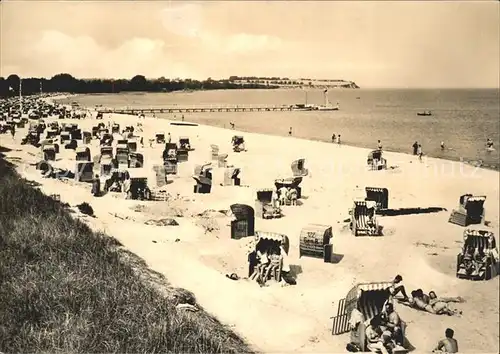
333	138
338	140
442	146
290	132
419	152
379	145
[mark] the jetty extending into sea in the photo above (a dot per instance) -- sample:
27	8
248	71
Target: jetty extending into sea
197	109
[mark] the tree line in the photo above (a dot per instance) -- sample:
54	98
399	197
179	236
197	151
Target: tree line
67	83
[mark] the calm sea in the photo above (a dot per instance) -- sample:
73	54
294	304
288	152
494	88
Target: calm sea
463	119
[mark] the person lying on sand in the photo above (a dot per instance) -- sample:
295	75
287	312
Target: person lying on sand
432	304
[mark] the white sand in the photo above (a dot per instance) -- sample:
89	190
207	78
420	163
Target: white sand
297	318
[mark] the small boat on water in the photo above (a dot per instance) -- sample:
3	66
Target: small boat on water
302	107
424	113
327	106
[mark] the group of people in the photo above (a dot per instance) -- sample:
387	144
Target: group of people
284	196
385	331
267	260
336	138
474	258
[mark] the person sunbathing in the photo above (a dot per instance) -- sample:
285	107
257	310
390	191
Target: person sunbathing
440	305
418	301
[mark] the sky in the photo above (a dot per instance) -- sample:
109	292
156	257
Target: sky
453	44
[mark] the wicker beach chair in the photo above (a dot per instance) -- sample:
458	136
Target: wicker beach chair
185	144
243	224
376	161
269	242
238	143
369	300
203	177
84	171
364	220
121	156
231	177
49	152
214	152
298	168
379	195
160	138
470	211
291	182
315	242
222	160
115	128
264	207
82	153
483	262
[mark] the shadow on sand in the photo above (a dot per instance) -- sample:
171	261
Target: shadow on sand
409	211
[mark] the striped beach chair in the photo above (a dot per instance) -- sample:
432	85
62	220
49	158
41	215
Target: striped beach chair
363	219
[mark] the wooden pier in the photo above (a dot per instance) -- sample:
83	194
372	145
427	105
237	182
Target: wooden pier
196	109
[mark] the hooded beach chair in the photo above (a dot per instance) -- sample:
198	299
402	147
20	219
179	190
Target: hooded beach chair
315	242
363	219
132	145
160	138
139	184
106	154
72	145
185	144
470	211
244	221
160	175
106	139
49	152
64	136
170	158
363	302
376	161
121	156
76	134
203	177
95	131
378	195
84	171
222	160
231	177
483	262
264	207
51	133
115	128
86	137
238	143
268	242
298	168
136	160
82	153
214	153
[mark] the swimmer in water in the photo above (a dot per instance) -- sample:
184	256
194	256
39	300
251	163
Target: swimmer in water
489	143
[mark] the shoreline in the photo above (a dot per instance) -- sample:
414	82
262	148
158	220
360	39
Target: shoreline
169	117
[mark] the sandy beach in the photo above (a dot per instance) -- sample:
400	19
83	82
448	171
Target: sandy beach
422	248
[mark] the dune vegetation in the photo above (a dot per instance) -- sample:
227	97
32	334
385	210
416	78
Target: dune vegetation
65	288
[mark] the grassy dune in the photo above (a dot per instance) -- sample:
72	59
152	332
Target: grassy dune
64	288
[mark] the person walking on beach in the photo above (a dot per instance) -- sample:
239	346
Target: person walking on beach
290	132
333	138
338	140
169	138
415	148
419	152
379	145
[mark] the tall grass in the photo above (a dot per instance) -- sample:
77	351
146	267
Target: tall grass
64	288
